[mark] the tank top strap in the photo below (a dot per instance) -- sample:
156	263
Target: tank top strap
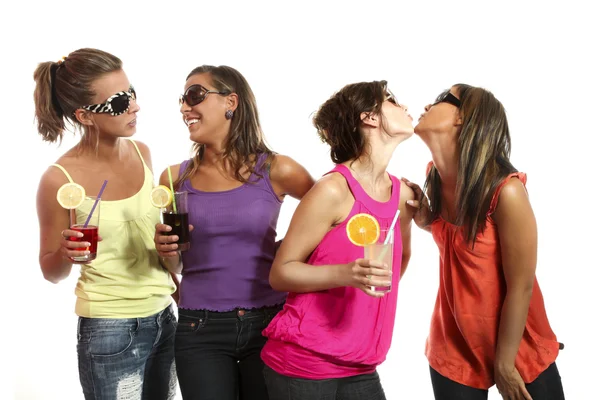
138	151
383	209
182	167
262	169
260	160
261	164
64	171
494	203
357	190
396	186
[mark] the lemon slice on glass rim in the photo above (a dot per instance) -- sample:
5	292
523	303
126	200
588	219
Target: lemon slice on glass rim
70	195
161	196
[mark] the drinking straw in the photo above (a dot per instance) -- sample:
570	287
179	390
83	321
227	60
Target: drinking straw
391	231
172	191
87	221
389	236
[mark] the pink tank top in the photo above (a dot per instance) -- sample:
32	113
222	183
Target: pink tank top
338	332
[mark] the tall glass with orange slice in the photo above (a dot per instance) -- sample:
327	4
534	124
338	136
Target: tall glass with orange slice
364	230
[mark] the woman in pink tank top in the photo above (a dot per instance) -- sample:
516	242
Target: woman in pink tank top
334	330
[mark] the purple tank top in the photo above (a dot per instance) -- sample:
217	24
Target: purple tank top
232	245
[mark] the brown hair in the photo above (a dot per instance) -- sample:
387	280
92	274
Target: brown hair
338	119
63	87
484	159
245	139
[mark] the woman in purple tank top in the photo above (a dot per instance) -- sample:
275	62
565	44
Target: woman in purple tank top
334	329
235	188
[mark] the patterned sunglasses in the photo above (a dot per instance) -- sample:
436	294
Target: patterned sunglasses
116	104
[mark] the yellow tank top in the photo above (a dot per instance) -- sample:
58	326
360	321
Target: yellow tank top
126	280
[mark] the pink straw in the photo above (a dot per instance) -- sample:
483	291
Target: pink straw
95	204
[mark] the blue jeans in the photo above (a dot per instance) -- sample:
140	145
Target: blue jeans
130	358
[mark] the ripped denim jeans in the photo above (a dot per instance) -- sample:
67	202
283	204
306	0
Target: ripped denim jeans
127	359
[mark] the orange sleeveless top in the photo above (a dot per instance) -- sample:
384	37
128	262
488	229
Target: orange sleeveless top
464	327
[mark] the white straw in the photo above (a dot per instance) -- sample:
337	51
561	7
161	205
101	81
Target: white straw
388	237
391	231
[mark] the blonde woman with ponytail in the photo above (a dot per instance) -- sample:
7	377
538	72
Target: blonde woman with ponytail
126	325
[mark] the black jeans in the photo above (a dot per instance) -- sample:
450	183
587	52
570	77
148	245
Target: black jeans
217	354
359	387
547	386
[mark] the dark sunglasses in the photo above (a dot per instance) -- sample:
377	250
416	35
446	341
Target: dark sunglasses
116	104
196	94
447	97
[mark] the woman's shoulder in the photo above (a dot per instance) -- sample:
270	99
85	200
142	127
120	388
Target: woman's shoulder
333	186
511	189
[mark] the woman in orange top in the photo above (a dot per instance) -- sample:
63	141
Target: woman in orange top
489	324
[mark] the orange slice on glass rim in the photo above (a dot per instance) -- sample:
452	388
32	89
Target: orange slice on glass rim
362	229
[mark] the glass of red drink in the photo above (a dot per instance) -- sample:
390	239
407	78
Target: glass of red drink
78	217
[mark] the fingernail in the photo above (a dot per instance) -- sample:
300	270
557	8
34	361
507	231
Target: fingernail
87	244
86	252
79	234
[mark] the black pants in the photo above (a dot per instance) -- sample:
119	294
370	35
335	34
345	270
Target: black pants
547	386
217	354
360	387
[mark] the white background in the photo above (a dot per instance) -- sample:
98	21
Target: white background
539	59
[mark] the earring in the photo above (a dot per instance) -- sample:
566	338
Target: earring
229	114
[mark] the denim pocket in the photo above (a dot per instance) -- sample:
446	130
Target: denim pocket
189	324
107	343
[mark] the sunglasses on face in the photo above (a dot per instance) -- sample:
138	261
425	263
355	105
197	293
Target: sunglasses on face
116	104
447	97
389	96
196	94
